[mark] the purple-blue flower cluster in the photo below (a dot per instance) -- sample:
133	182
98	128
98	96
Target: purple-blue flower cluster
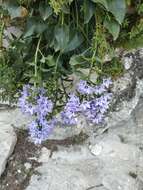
72	107
93	103
85	89
24	104
39	132
95	109
35	103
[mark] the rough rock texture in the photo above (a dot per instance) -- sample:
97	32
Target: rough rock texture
7	143
112	161
14	117
127	91
112	157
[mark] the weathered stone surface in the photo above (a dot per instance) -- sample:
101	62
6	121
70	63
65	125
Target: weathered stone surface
128	61
112	149
14	117
70	168
119	181
112	157
116	165
45	154
7	143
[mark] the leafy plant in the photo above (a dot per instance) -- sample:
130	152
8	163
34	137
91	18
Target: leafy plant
59	41
61	38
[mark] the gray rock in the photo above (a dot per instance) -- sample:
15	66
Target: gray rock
45	154
127	61
112	149
119	181
8	140
27	165
115	167
79	175
14	117
114	160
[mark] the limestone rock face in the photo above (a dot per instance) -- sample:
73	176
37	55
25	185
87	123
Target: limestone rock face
110	159
7	143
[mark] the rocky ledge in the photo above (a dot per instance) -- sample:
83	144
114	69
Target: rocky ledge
107	157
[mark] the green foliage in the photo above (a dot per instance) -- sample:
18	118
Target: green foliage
61	38
113	68
113	27
140	8
131	34
137	29
59	5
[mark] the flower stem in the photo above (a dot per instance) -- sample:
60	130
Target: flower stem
1	32
35	62
56	79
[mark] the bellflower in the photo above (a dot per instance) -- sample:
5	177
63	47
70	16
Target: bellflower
24	104
107	82
44	106
95	109
102	88
34	102
69	115
93	106
40	133
83	88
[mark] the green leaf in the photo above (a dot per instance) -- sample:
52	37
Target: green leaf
102	2
77	60
61	37
14	9
89	10
74	42
113	27
118	9
30	31
45	10
31	63
50	61
66	39
34	26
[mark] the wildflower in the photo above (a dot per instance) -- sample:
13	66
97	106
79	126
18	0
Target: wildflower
34	102
107	82
24	104
102	88
99	89
69	115
95	109
40	133
84	89
44	106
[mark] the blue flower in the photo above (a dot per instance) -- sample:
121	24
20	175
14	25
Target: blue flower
40	133
94	105
107	82
34	102
69	115
23	102
44	106
95	109
84	89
